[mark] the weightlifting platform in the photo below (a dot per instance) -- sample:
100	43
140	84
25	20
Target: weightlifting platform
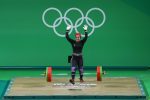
109	88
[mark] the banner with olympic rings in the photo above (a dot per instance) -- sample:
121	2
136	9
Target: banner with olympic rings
63	17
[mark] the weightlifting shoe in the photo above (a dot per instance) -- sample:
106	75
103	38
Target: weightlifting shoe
72	81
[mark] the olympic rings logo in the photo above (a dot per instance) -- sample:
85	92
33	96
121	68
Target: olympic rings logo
75	25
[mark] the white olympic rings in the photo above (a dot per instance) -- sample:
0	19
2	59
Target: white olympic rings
88	20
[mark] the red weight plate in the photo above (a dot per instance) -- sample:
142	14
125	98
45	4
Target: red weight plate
49	74
98	74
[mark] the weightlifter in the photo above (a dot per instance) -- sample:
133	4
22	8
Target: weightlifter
76	58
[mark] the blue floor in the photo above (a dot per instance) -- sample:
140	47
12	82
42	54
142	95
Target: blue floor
3	86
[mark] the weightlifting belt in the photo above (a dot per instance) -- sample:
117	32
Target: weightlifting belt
77	54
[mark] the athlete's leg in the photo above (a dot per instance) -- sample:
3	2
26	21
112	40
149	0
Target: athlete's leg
73	69
80	66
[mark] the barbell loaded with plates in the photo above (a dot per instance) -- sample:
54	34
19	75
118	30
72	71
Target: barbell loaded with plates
48	74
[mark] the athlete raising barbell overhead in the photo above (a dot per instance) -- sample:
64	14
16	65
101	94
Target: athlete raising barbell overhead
77	59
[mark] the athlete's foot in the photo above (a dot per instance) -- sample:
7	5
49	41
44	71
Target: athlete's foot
72	81
81	80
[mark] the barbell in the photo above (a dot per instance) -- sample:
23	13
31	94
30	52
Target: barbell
48	74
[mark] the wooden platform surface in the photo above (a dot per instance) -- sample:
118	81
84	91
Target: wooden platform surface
61	86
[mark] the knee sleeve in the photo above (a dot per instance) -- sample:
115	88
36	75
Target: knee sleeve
81	70
73	69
